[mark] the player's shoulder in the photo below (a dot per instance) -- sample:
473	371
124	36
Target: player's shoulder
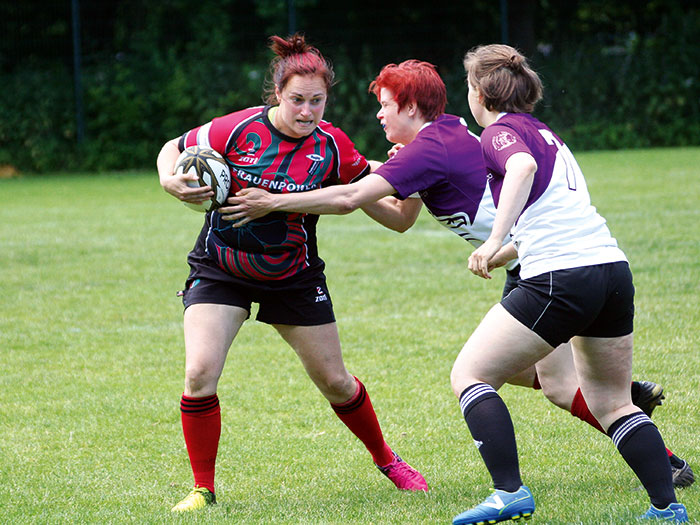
241	115
448	126
335	135
508	130
447	121
327	127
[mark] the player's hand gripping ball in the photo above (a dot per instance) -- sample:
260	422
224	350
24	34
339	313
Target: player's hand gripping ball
211	170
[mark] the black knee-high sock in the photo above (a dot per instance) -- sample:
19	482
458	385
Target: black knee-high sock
642	447
492	429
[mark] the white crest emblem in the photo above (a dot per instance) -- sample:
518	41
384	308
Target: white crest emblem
502	140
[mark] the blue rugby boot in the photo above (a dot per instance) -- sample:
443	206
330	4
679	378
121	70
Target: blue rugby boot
499	506
674	512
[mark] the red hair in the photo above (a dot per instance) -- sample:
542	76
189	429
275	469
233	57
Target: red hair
413	80
295	57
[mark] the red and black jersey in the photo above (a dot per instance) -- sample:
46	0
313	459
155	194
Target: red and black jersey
278	245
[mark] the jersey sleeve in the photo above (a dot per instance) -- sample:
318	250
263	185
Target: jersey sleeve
209	135
216	134
498	143
415	167
352	165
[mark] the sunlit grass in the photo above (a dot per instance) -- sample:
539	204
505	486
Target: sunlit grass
91	362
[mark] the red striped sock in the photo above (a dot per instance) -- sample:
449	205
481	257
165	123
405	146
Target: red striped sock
536	383
201	425
358	415
579	408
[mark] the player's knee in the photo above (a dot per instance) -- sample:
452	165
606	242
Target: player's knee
559	388
337	387
458	380
200	381
557	396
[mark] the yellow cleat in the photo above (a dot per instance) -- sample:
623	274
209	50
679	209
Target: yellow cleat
195	500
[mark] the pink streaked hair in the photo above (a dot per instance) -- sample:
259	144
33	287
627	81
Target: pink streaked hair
294	56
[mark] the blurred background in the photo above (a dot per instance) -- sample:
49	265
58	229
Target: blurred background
98	86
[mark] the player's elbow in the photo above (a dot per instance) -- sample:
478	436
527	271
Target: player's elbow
403	221
346	204
401	227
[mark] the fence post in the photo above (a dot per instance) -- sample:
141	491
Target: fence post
77	75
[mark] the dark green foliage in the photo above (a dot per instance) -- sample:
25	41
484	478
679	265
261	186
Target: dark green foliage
636	92
615	76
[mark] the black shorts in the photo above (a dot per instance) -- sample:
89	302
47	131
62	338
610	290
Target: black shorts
592	301
512	280
302	304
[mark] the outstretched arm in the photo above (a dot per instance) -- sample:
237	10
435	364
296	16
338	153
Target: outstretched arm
396	214
251	203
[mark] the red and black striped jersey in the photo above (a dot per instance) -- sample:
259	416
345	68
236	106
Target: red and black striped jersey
278	245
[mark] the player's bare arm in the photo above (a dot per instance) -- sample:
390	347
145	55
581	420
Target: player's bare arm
506	254
176	185
252	203
520	172
373	165
395	214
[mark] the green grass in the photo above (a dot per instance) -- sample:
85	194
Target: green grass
91	362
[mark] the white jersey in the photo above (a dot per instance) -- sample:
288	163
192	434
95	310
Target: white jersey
558	227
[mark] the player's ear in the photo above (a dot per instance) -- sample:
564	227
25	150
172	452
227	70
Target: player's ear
278	95
411	108
479	95
476	90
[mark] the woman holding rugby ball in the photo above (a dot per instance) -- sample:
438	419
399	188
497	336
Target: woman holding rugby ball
284	146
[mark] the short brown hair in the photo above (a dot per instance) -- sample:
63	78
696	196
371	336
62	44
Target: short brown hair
503	77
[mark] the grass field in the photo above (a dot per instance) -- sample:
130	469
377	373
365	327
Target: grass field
91	363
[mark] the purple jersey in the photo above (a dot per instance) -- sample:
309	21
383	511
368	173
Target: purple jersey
558	227
443	164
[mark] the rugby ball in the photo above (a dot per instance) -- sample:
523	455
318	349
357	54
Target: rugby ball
211	170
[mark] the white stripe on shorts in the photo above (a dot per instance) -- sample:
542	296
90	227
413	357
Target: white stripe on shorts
545	308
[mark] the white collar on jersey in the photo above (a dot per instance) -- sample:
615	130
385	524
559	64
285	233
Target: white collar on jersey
425	125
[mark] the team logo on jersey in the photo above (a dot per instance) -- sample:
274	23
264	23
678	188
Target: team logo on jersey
459	223
247	149
456	221
316	162
502	140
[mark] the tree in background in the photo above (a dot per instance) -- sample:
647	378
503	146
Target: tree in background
151	69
